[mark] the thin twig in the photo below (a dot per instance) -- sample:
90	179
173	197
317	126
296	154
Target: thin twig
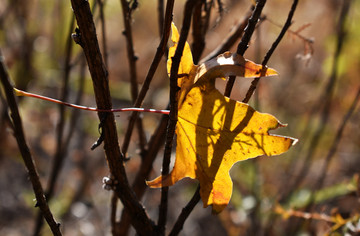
161	16
113	209
132	58
198	33
271	50
308	42
103	30
130	47
88	40
243	45
80	107
139	186
188	11
24	150
155	63
185	213
75	115
229	40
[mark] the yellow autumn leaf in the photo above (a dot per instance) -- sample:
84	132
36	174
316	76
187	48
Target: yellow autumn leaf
214	132
187	68
186	63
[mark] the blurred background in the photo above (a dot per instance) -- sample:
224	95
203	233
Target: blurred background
318	175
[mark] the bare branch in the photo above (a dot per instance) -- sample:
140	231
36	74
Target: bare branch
155	63
185	213
89	43
243	45
24	149
229	40
272	49
132	58
188	11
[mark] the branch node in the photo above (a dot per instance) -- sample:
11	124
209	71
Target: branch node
109	183
101	131
77	37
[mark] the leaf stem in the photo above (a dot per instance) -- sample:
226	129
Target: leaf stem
27	94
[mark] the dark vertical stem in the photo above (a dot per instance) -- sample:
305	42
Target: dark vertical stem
160	16
113	209
139	186
88	40
258	50
132	58
148	159
243	45
272	49
130	48
198	33
103	30
189	6
24	150
25	73
155	63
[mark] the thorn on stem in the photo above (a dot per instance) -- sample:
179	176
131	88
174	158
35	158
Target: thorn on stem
101	131
77	36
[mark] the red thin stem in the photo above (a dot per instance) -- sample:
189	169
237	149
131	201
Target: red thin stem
27	94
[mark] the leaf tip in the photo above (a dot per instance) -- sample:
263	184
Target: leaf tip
156	183
161	181
294	141
174	33
271	72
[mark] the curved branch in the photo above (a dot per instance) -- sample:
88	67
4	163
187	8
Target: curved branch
25	152
88	40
